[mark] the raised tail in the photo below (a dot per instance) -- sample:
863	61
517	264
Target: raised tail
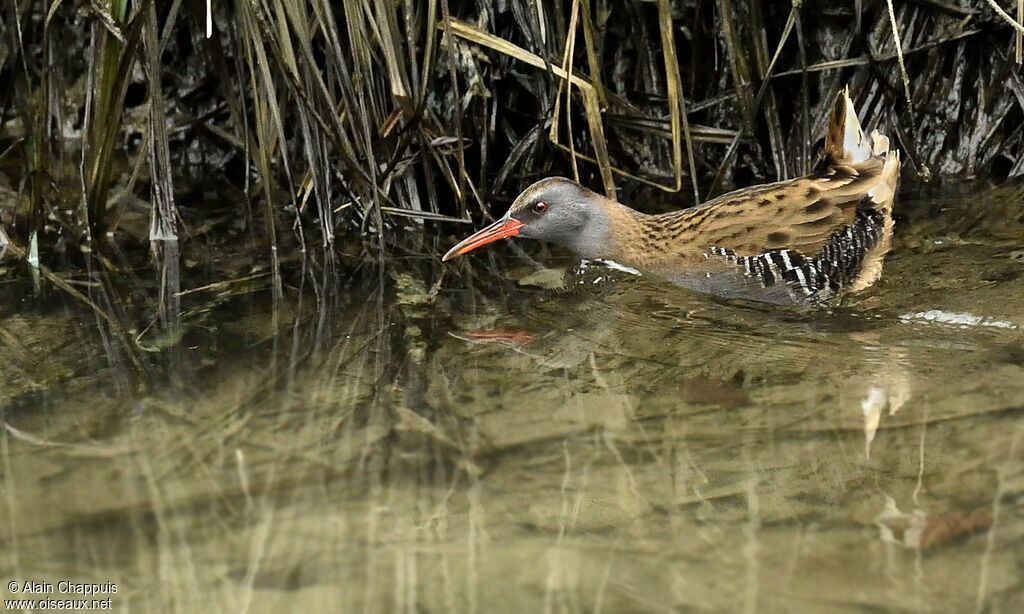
845	141
869	155
877	166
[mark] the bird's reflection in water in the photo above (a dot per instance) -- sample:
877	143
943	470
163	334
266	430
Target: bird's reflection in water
806	435
685	352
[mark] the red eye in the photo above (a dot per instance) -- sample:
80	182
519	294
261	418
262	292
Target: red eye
540	206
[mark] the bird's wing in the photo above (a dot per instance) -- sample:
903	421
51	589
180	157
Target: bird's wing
801	214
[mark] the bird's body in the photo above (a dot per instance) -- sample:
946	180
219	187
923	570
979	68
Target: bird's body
805	240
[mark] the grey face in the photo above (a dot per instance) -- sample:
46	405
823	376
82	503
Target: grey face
561	211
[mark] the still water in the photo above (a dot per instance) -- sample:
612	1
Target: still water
501	436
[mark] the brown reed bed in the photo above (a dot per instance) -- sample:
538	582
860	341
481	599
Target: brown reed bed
358	127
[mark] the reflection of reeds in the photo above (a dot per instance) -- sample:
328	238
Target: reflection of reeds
351	118
378	463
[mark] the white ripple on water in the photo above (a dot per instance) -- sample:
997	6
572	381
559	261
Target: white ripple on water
962	320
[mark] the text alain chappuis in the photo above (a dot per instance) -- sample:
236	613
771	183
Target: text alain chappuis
63	595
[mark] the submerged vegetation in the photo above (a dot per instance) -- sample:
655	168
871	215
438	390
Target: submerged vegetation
284	125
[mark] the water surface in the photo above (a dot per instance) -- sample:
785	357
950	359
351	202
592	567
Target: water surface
493	443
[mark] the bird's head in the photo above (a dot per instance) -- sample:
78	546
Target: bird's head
557	210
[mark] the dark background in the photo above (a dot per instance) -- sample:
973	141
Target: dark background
362	127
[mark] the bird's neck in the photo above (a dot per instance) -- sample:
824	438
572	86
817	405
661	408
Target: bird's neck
639	240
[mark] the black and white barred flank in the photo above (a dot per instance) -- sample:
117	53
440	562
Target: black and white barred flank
823	276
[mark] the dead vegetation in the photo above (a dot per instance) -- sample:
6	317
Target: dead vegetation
353	124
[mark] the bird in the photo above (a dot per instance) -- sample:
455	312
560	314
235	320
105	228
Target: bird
803	241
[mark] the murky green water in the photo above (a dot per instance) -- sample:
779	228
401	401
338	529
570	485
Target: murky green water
491	446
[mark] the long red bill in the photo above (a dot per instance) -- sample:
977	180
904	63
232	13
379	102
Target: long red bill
505	227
